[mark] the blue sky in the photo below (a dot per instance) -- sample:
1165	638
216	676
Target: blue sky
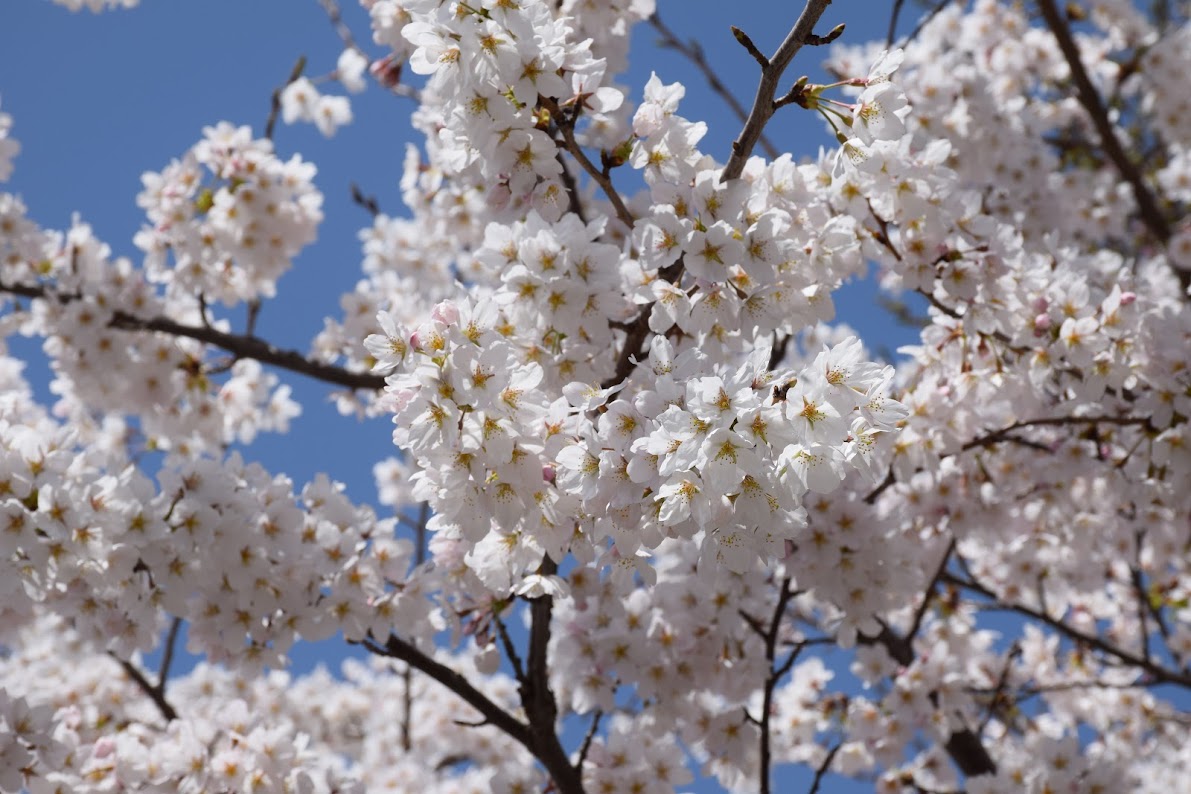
99	99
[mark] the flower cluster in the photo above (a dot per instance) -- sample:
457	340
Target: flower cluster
621	415
232	237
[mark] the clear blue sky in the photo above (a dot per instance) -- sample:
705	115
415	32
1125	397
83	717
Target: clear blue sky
99	99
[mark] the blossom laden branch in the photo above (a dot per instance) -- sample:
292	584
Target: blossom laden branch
601	176
1156	671
538	699
239	345
1147	203
774	675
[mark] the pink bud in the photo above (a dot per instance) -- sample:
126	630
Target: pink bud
1041	324
446	313
1041	304
548	474
1128	297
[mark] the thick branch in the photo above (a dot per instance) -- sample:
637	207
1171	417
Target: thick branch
763	105
964	746
156	692
397	648
537	698
1089	98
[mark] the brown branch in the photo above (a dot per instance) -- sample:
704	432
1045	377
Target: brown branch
397	648
152	692
1053	421
1089	98
823	767
897	10
601	177
771	72
575	201
537	698
1156	671
167	654
586	746
252	347
275	103
924	21
771	680
693	51
1005	434
369	203
965	747
929	593
240	346
345	33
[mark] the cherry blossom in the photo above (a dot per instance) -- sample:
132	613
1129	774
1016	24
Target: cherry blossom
642	481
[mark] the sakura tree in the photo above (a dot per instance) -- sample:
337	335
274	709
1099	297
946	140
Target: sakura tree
651	521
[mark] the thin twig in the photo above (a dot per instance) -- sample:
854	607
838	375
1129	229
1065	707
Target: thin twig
397	648
502	631
575	201
275	104
369	203
771	73
587	740
601	177
407	675
897	10
167	654
923	22
823	767
345	33
928	594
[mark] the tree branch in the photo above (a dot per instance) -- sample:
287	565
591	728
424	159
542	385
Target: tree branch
537	698
1089	98
771	680
275	103
771	72
601	177
240	346
397	648
1156	671
965	747
693	52
823	767
151	691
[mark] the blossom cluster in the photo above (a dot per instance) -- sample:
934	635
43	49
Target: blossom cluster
621	414
231	238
